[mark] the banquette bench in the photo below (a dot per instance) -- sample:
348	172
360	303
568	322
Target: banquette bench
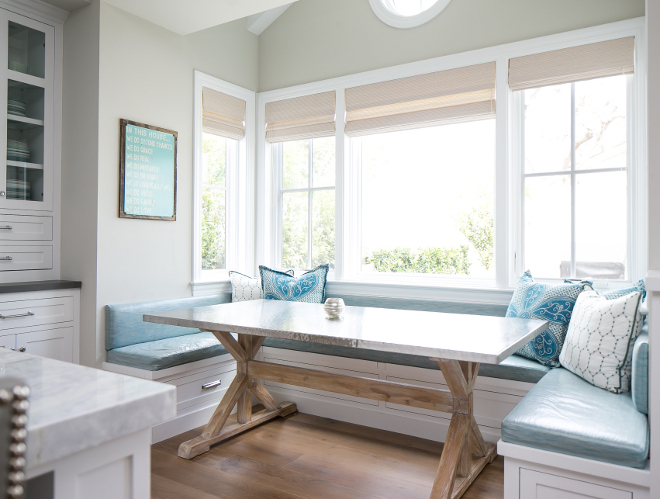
548	417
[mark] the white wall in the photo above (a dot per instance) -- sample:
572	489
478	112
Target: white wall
318	39
120	66
79	165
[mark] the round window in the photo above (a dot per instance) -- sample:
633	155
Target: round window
407	13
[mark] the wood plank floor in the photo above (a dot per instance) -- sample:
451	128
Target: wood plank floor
308	457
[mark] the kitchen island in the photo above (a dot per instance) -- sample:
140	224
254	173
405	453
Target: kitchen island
89	431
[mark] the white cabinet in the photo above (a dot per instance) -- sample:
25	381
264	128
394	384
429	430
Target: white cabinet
30	158
535	485
43	323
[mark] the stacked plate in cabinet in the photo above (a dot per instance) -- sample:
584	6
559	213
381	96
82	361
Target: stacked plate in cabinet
18	189
16	107
17	150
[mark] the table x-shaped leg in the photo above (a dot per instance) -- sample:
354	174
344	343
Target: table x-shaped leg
238	394
458	468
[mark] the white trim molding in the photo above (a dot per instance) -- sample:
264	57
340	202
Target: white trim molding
385	11
39	11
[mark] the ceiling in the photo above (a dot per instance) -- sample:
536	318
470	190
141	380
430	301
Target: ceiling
184	16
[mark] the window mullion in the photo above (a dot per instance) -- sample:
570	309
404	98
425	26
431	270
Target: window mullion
573	272
310	170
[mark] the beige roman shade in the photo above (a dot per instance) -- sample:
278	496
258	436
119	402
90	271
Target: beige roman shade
223	114
455	95
307	117
596	60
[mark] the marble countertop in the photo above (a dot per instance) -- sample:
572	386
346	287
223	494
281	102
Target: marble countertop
474	338
73	408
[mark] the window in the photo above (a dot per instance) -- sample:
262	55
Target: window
407	13
221	146
218	153
427	200
307	202
575	180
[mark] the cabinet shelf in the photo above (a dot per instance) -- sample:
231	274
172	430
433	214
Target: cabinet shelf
26	78
21	164
22	123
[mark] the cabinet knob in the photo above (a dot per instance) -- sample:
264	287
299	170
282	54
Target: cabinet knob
22	349
2	194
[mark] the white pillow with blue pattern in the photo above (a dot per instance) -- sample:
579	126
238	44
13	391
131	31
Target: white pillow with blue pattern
549	302
601	335
308	288
245	288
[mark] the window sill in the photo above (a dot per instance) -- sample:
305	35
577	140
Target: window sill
201	288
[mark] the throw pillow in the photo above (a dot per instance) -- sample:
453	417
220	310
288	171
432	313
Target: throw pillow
600	337
244	288
553	303
309	288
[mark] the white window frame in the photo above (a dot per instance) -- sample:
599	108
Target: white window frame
518	116
391	18
508	214
239	198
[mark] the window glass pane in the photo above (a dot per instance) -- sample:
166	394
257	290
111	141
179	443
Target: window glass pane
600	123
323	162
294	229
214	158
427	200
213	229
548	129
601	215
323	227
548	225
295	164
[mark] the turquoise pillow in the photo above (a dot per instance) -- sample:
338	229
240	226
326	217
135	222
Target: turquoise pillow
308	288
552	303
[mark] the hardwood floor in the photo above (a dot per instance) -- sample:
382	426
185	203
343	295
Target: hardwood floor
303	456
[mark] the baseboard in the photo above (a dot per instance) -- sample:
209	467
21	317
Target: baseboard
431	428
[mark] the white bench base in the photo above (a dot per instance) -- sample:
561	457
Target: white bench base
195	405
537	474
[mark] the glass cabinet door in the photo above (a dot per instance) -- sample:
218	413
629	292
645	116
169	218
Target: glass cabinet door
27	65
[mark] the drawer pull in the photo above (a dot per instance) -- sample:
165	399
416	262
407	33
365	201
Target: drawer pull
7	258
212	384
22	349
16	316
6	227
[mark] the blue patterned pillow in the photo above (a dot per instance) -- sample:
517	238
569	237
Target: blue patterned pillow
618	293
308	288
552	303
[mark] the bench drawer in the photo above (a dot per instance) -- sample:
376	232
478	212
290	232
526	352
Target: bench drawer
24	313
201	387
26	258
537	485
25	228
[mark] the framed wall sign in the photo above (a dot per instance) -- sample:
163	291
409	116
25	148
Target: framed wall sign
147	171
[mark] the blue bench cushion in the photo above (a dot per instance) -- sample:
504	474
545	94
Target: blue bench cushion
514	368
640	371
565	414
169	352
124	325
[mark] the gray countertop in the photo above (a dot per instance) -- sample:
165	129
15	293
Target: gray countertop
473	338
73	408
24	287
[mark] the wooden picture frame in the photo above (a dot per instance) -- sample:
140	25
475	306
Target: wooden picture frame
148	157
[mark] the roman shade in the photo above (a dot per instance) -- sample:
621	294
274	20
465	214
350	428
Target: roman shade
307	117
596	60
223	114
455	95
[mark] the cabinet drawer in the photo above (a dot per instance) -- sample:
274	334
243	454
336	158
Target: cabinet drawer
36	312
26	258
54	343
537	485
200	387
8	341
25	228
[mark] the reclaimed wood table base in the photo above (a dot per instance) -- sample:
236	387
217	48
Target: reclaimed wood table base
464	456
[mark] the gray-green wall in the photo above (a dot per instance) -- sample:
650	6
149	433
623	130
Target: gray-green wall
319	39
